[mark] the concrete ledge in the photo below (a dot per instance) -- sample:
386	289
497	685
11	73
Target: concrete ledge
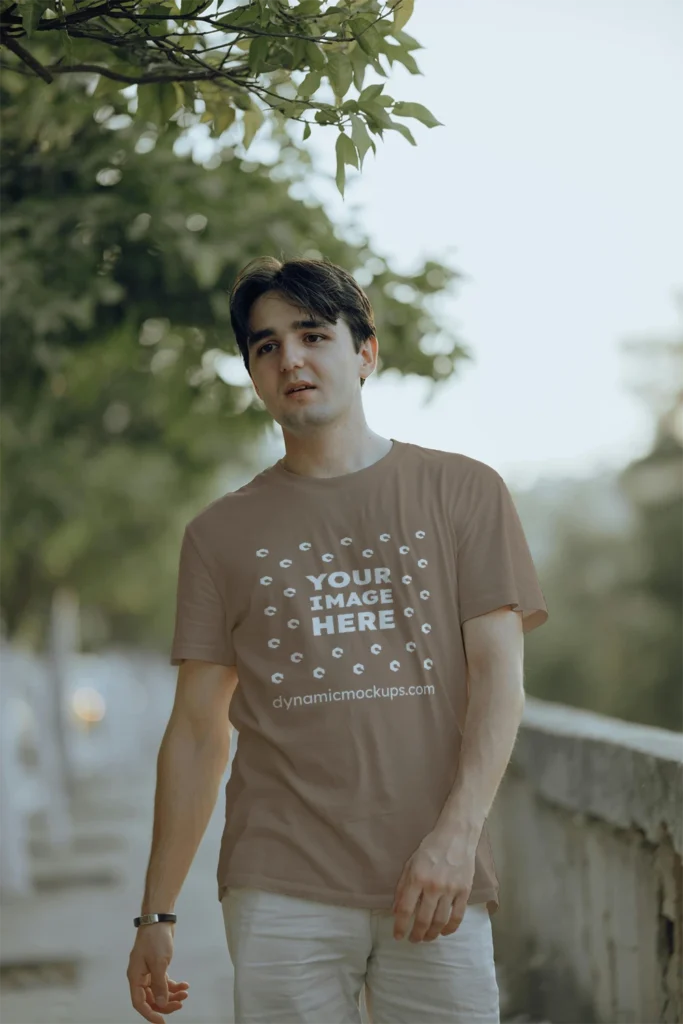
587	837
625	774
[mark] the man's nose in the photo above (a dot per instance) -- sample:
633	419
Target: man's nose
291	355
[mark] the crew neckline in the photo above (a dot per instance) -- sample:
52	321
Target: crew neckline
344	480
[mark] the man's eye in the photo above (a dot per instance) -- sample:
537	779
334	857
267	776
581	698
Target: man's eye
269	344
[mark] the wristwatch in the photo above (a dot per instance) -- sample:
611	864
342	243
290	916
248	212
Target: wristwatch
153	918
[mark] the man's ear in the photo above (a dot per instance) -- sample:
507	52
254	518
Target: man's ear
371	369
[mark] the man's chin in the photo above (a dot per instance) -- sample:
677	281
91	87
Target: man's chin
300	418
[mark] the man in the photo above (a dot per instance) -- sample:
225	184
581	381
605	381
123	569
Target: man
357	613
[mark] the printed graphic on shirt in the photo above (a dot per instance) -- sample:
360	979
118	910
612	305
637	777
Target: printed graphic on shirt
351	613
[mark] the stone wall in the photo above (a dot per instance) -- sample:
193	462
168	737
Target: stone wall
587	834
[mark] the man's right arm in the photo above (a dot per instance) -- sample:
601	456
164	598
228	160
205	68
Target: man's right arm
192	759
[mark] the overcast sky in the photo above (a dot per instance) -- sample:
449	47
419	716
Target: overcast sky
555	186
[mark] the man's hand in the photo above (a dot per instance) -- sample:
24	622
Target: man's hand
436	882
152	992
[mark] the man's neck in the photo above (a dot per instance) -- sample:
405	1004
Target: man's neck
326	459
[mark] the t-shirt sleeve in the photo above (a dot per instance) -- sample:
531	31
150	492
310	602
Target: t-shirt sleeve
494	564
202	629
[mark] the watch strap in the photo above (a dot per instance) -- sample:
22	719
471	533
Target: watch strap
153	919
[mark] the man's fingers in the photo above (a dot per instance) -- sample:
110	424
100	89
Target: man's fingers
174	999
454	921
177	986
404	910
173	1003
424	917
442	915
159	985
140	1003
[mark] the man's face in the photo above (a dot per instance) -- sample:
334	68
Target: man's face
287	346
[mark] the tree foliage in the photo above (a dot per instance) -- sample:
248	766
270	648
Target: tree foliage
615	593
117	365
264	60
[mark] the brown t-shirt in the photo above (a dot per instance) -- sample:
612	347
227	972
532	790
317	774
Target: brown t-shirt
340	601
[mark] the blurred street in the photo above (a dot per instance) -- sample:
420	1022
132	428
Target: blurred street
78	923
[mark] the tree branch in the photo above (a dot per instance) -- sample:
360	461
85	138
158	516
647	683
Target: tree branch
104	10
27	58
116	76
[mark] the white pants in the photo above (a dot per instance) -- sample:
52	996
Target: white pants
298	961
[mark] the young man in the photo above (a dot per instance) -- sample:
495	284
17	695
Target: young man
357	613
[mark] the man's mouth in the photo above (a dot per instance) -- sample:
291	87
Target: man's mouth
300	387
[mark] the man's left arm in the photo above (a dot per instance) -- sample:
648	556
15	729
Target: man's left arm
437	880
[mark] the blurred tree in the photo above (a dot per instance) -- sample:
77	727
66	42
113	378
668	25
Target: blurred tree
589	658
246	63
117	350
655	486
614	588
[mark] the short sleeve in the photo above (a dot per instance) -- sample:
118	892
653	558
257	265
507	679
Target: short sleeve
202	629
494	563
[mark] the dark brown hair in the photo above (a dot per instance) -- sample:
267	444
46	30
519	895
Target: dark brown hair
320	287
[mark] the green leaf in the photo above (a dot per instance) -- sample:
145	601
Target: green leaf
306	8
417	111
160	27
360	136
258	54
298	50
367	36
307	130
241	17
346	154
407	42
315	56
404	130
340	176
407	59
370	93
403	10
253	119
241	100
310	84
31	13
359	65
347	150
369	42
378	114
168	103
157	102
67	46
288	108
223	117
340	73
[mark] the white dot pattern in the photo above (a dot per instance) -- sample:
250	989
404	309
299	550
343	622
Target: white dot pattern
337	652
